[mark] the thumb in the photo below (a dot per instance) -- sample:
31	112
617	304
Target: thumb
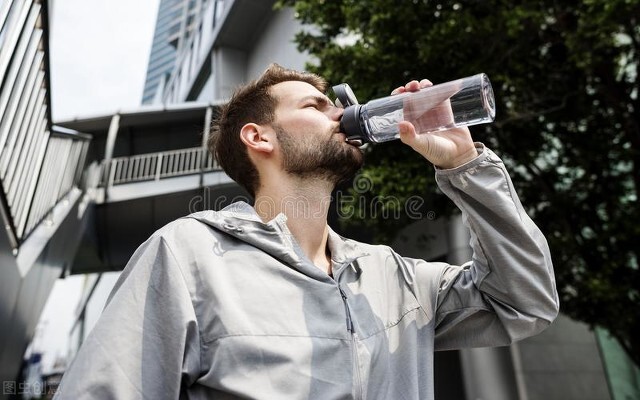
408	133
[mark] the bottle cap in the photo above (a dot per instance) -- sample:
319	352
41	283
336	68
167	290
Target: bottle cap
350	122
345	96
351	127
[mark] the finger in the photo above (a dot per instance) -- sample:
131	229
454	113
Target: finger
398	90
425	83
412	86
407	132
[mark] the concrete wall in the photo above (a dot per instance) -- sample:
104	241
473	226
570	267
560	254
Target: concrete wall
231	67
23	296
206	94
229	71
10	281
275	44
562	363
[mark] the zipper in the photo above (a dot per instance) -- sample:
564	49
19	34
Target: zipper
347	311
354	344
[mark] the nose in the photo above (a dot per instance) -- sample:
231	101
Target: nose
336	113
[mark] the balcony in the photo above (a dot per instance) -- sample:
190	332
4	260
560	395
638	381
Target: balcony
147	167
156	174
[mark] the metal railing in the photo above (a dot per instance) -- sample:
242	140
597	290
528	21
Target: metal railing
61	171
157	166
24	109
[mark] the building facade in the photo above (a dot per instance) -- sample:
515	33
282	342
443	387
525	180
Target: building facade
223	43
176	21
163	54
40	174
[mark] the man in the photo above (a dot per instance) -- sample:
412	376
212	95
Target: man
267	302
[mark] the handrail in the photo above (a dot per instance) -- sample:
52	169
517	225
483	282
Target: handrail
157	166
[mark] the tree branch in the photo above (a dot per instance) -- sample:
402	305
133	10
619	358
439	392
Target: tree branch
529	115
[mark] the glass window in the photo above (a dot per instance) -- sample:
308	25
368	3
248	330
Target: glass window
622	374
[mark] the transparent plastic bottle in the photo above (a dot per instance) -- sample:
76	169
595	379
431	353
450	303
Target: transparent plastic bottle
463	102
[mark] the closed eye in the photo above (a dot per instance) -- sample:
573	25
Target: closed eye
317	102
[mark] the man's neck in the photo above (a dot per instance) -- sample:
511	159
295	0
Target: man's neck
306	206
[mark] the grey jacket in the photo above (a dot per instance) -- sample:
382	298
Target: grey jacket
221	305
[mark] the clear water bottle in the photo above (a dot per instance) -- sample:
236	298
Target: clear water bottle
463	102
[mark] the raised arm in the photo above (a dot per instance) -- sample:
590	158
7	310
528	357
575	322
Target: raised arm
507	292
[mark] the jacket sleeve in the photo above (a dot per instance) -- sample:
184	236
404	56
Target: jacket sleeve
146	342
507	291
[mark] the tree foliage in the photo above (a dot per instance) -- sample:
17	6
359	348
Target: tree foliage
565	75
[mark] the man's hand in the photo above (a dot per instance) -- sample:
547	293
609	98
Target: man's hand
445	149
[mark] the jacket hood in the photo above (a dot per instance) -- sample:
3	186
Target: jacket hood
241	221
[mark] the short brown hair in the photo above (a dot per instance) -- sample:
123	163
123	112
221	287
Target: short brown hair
252	102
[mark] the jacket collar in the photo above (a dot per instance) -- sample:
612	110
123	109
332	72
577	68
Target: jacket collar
241	221
343	250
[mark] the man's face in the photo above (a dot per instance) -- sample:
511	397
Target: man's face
307	125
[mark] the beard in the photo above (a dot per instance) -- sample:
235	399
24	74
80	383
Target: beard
312	156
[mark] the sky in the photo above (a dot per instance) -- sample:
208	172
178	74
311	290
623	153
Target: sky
98	52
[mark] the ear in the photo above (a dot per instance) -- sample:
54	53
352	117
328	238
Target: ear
257	137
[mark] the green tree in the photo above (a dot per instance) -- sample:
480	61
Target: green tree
565	75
